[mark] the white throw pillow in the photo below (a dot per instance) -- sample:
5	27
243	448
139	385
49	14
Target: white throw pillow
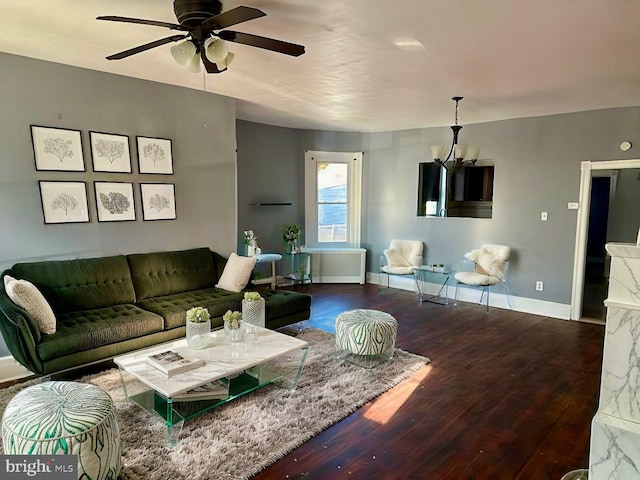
395	258
26	295
237	273
8	279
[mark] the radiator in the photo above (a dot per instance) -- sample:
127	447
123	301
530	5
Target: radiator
338	265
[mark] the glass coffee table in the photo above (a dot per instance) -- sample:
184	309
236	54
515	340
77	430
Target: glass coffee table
423	276
241	366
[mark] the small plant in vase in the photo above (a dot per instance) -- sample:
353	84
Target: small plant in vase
251	241
301	273
252	311
198	328
233	325
291	234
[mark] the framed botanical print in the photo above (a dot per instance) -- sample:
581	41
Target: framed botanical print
114	201
154	155
158	201
64	202
57	149
110	152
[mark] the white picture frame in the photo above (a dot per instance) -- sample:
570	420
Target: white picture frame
64	202
57	149
110	152
158	201
115	201
154	155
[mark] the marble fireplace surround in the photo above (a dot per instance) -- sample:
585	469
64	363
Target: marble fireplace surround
615	430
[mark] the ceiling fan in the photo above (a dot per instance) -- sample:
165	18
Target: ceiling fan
203	22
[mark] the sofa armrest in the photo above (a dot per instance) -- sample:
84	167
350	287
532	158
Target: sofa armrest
20	333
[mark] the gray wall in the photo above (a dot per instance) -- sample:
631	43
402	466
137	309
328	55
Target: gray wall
624	209
537	168
49	94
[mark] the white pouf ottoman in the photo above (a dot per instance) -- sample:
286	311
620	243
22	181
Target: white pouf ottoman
365	337
65	418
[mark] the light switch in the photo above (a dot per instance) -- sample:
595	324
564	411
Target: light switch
543	216
573	205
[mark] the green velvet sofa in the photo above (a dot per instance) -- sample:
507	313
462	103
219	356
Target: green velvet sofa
111	305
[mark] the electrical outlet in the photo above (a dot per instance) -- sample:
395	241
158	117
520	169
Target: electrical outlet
539	286
543	216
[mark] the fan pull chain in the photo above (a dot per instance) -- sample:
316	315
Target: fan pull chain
204	89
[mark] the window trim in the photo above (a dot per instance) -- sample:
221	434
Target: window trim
354	189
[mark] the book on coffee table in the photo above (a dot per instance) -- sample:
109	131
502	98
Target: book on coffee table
171	362
215	390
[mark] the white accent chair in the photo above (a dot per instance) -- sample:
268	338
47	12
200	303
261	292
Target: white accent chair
491	268
401	258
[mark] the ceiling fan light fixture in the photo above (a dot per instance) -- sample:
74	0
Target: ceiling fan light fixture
183	53
216	50
225	63
194	65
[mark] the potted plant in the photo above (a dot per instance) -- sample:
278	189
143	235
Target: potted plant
291	235
251	241
198	328
252	313
233	325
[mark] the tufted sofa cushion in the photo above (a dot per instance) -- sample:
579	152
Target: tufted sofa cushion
174	307
82	284
79	331
165	273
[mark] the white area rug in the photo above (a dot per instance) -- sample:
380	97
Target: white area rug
246	435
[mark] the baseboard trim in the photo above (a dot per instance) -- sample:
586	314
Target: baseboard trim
472	295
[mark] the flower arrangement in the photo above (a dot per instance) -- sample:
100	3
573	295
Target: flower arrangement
252	296
250	238
291	233
198	315
232	319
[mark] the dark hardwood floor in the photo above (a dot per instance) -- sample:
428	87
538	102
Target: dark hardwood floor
507	395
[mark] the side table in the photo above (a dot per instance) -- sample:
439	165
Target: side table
297	268
423	274
264	258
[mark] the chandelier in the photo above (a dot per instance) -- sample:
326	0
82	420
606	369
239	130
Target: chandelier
462	155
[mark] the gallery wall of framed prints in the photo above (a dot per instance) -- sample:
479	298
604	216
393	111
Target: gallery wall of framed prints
65	201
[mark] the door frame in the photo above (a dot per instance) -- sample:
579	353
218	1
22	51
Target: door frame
582	224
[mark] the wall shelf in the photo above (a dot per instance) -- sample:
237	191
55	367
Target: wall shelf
271	204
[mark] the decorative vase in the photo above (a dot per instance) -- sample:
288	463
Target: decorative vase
253	312
198	334
236	334
251	250
252	317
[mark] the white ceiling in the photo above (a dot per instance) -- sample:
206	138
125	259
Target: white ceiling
508	58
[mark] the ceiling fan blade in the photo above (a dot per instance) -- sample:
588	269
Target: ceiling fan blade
230	17
146	46
262	42
172	26
209	66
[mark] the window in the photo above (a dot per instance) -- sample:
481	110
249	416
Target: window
332	198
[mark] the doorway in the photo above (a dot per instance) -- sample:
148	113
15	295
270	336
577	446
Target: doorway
596	264
589	170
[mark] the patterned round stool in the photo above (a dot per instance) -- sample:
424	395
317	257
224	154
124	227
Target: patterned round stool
65	418
365	337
